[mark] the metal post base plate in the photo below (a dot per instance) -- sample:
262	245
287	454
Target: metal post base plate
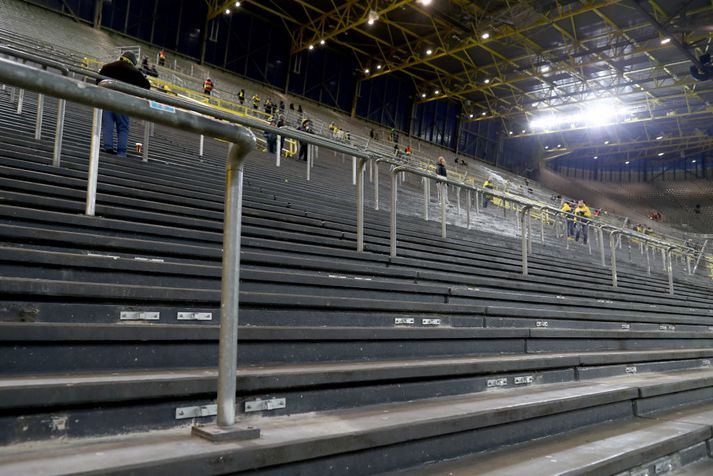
218	434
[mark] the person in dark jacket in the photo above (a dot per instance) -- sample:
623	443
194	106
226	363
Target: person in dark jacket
305	127
124	70
442	172
241	96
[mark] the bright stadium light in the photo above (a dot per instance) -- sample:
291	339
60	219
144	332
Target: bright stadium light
665	41
378	66
311	47
372	17
627	162
429	51
227	12
437	92
322	42
596	157
660	154
485	35
590	114
659	138
367	71
423	95
487	81
237	4
483	113
470	116
425	3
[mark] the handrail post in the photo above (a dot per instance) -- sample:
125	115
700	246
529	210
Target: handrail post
529	232
354	170
376	184
700	255
601	246
523	237
542	226
360	205
477	202
443	209
278	151
669	269
392	222
145	146
40	114
201	143
93	163
309	155
20	99
648	261
426	197
688	264
612	246
59	133
663	258
469	203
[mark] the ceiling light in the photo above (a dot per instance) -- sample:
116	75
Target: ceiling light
693	161
321	42
378	66
372	17
660	154
483	113
559	146
524	130
510	133
423	95
606	142
547	147
596	157
237	4
485	35
311	47
627	162
425	3
596	113
227	12
367	71
487	81
545	69
429	51
665	41
470	116
436	91
659	138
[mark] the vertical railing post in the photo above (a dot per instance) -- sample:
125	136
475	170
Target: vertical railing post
278	151
59	133
458	200
392	222
426	198
529	232
354	170
39	117
523	237
93	163
468	204
477	202
542	226
376	184
201	144
309	158
360	204
601	246
612	246
20	100
229	305
147	137
648	261
670	270
443	190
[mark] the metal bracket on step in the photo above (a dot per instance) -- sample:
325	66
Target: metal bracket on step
631	370
139	316
524	380
626	327
196	412
195	316
542	324
265	405
404	321
431	322
497	382
667	327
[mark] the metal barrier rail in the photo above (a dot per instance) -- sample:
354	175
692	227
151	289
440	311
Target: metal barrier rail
242	142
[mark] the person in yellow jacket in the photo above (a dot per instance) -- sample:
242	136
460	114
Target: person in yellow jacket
582	216
487	197
568	219
256	101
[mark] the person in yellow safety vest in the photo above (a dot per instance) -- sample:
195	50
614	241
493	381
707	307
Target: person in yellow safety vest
486	196
241	96
162	58
569	220
582	214
207	86
256	101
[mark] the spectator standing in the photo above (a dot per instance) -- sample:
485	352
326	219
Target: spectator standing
271	138
123	70
208	86
441	171
569	220
162	58
305	127
256	101
486	196
267	106
582	216
241	96
282	106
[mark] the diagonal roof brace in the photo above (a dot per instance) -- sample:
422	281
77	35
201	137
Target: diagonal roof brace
674	41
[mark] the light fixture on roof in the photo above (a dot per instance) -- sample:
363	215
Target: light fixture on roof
425	3
547	147
588	114
627	162
470	116
227	12
485	35
483	113
311	47
606	142
378	66
372	17
423	95
559	146
237	4
693	161
487	81
545	69
367	71
659	138
437	92
510	132
665	41
322	42
429	51
524	130
596	157
660	154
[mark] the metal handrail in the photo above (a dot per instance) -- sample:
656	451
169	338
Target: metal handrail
242	142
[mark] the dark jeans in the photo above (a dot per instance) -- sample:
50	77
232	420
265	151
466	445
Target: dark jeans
109	120
582	228
303	151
